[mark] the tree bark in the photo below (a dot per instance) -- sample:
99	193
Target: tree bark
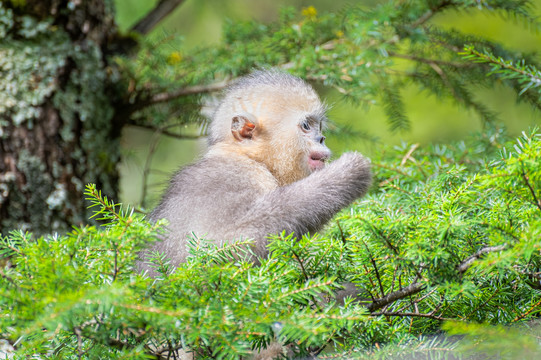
57	107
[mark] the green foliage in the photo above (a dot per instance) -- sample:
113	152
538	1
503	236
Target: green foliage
79	294
449	237
449	232
526	76
462	226
368	55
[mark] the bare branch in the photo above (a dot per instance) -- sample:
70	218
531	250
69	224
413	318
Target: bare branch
375	266
191	90
466	264
162	131
396	295
301	264
424	18
341	233
427	15
409	314
408	155
164	8
168	96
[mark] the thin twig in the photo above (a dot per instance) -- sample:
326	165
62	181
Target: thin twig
341	232
397	295
527	181
367	272
425	296
302	265
445	80
522	316
169	348
146	170
408	154
505	65
481	304
190	90
424	18
391	169
164	8
431	12
409	314
374	265
143	101
466	264
115	269
162	131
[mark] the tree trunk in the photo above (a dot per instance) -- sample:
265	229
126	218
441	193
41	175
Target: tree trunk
57	111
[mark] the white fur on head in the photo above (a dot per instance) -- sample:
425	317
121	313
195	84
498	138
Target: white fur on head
263	93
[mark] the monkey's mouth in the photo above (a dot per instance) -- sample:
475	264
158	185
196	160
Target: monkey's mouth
316	161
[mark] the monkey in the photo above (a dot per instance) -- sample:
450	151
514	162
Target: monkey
266	170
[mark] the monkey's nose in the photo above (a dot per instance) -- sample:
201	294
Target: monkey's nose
320	139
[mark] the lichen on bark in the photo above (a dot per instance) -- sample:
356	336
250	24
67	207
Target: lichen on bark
56	108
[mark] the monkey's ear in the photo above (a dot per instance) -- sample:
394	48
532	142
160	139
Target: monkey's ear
243	127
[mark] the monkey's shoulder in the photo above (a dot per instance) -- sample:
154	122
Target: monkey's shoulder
222	176
211	193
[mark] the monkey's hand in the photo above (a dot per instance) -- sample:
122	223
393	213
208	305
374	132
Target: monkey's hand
306	205
353	170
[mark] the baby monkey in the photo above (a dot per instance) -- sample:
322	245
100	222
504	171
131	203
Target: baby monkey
265	170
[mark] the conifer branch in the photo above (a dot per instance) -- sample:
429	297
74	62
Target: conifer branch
523	315
430	61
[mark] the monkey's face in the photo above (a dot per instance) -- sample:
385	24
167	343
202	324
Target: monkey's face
296	146
311	132
276	120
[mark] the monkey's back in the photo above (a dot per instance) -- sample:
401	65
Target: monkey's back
207	199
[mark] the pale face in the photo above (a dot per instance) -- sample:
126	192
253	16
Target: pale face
296	146
279	126
311	130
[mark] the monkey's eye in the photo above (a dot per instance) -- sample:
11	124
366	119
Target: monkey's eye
305	126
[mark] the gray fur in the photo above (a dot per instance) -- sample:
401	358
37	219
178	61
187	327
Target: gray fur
228	195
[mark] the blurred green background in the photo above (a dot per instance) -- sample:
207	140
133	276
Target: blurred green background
200	23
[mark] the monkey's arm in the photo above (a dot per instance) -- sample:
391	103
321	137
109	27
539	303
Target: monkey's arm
306	205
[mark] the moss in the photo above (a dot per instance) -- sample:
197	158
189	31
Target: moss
39	184
28	66
84	98
43	70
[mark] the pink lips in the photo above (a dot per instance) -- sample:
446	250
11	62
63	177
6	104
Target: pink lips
316	160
